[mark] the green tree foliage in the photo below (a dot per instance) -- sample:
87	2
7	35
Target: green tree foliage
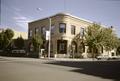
6	38
1	39
9	33
97	37
37	42
19	42
94	37
118	49
111	41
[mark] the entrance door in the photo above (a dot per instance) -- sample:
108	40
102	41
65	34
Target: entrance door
62	46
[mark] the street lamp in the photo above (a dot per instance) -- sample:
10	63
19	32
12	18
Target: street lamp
49	37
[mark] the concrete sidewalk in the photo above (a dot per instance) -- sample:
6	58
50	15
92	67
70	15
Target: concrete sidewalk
45	59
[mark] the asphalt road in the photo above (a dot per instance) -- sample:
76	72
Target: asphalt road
29	69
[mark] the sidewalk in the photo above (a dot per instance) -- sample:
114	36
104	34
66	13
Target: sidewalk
45	59
19	58
73	59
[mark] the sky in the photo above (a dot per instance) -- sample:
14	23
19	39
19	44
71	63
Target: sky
16	14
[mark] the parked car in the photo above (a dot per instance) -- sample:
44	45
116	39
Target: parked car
106	57
18	51
102	57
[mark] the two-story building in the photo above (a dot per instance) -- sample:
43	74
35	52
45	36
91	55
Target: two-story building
64	27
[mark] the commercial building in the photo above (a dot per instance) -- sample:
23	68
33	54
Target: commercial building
64	28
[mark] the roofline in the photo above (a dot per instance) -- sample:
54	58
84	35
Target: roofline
76	17
62	13
67	14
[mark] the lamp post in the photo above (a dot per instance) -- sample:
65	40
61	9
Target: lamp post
49	32
49	37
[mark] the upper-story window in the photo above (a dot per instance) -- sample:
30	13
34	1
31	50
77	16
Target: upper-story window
73	29
36	30
43	30
52	29
82	31
62	28
30	33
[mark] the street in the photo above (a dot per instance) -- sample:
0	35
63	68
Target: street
30	69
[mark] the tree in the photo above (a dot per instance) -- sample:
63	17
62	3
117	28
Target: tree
94	38
19	42
6	38
111	41
37	42
1	39
118	49
9	33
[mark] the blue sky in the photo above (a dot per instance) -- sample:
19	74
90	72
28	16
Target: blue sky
17	13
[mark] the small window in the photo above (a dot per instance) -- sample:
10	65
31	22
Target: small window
72	29
36	30
30	33
62	28
81	31
52	29
43	30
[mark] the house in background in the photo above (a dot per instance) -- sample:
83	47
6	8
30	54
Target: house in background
64	28
19	33
24	35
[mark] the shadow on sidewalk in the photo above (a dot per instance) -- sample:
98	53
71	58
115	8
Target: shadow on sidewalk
103	69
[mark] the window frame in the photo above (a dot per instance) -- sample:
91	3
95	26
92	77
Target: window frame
62	31
73	29
36	30
30	33
82	31
52	29
43	30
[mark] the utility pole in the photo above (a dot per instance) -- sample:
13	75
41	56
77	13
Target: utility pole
49	37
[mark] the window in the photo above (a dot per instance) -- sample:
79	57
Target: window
52	29
62	46
81	31
30	33
72	29
36	30
62	28
43	30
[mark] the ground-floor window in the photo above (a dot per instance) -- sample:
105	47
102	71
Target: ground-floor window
62	46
